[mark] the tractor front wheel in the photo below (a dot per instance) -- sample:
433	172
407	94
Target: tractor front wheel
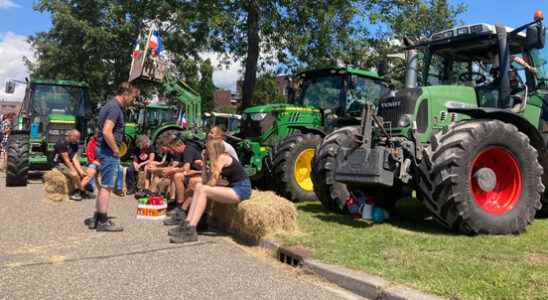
485	178
292	165
332	194
17	160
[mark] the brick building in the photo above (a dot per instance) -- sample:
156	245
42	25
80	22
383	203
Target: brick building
225	98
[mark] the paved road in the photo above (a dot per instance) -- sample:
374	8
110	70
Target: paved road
47	253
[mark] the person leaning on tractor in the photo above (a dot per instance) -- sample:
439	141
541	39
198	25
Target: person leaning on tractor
66	159
239	189
190	166
111	123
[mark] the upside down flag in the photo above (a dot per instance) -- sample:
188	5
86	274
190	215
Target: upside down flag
155	43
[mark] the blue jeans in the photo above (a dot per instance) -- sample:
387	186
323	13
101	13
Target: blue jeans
110	165
242	189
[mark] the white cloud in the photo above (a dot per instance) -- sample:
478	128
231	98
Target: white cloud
13	48
224	77
5	4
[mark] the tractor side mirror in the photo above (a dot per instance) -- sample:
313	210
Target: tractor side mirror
382	67
534	38
10	87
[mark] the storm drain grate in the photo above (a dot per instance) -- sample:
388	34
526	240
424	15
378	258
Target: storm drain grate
293	256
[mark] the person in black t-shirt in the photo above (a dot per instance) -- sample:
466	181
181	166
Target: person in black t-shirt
143	155
156	168
66	159
190	166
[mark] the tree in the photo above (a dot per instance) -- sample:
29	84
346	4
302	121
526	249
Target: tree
295	33
92	41
266	90
206	86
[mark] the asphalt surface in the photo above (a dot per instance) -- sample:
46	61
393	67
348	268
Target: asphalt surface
47	253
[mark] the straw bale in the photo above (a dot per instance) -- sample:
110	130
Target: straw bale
56	185
262	215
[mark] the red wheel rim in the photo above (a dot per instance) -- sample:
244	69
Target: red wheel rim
507	191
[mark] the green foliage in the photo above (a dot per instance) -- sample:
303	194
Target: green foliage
206	87
266	90
92	41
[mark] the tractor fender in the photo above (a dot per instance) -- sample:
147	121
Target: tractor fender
306	129
506	116
161	130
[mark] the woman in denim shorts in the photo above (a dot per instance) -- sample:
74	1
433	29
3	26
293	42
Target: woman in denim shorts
239	189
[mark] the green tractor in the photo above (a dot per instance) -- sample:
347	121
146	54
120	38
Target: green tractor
229	122
469	135
158	119
278	141
48	111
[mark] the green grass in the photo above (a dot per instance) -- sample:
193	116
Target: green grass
417	252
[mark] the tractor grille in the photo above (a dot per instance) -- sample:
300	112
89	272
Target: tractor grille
57	131
392	108
254	129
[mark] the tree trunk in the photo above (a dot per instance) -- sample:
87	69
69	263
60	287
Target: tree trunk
250	76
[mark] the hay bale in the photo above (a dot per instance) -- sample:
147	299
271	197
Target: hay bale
56	197
262	215
57	186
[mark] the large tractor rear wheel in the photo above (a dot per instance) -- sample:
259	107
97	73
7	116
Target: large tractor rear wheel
485	178
293	165
332	194
17	160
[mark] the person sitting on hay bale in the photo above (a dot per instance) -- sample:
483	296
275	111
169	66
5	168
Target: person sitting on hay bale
239	189
142	157
190	166
156	168
67	160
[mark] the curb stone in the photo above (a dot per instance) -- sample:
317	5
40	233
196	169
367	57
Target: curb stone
359	283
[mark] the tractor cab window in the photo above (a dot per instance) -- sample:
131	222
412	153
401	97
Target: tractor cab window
324	92
362	90
540	60
57	99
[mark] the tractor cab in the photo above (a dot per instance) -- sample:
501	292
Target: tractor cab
340	92
488	58
53	108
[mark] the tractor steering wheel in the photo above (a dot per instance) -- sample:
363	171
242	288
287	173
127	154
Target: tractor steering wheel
473	76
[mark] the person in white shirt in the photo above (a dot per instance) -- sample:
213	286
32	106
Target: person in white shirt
217	133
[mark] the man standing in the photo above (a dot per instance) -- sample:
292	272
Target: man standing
67	160
111	134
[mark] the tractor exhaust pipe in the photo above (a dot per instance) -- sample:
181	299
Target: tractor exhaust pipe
411	70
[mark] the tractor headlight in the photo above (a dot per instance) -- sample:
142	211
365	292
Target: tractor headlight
257	117
54	132
404	121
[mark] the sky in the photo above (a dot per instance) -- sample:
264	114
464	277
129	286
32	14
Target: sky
18	20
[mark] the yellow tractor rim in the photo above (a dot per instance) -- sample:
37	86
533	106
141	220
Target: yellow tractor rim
303	168
122	149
